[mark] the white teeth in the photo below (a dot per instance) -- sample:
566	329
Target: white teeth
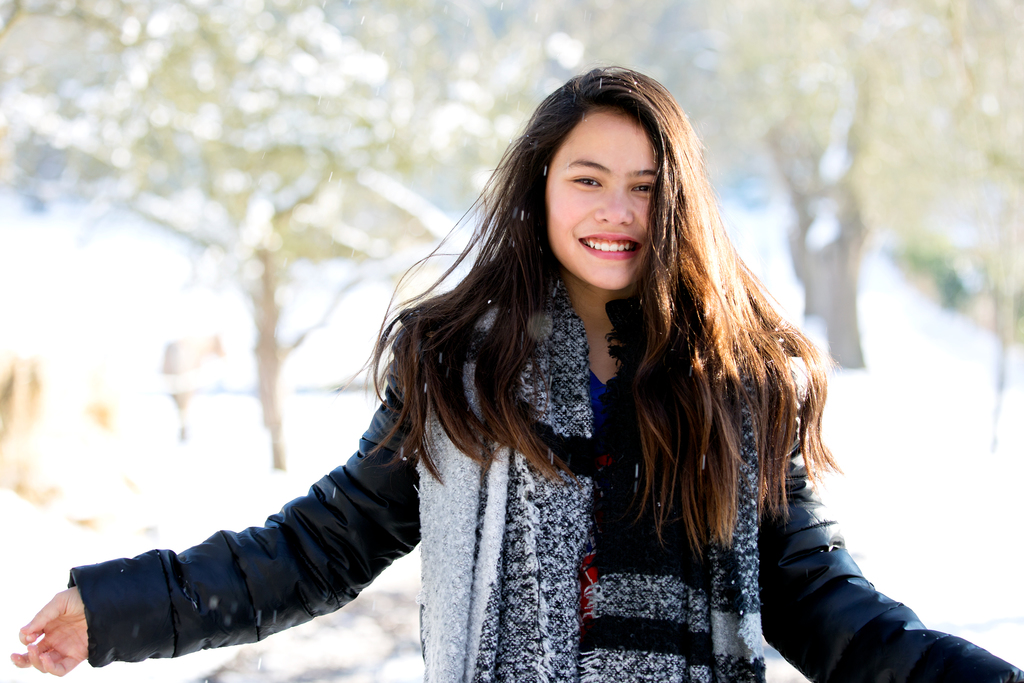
611	246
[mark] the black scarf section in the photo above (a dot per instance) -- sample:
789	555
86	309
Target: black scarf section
626	545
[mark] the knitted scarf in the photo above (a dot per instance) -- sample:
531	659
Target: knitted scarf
501	549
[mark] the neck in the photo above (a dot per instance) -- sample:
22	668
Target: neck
590	306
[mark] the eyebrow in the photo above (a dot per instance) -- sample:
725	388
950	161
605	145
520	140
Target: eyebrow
587	163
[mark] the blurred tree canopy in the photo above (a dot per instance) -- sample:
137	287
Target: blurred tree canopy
273	133
880	117
251	129
976	162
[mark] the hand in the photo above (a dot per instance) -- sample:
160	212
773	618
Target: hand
65	636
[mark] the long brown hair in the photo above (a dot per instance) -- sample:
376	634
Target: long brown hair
714	340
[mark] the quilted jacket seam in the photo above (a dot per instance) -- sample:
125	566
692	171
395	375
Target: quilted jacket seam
858	632
245	582
291	538
170	600
911	676
811	527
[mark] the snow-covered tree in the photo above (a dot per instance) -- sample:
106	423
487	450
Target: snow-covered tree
270	133
973	96
810	80
266	134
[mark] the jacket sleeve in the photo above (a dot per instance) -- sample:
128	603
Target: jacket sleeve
311	558
821	613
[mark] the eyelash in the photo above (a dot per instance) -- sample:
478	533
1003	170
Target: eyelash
590	182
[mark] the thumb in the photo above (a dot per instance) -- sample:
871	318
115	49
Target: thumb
31	631
65	602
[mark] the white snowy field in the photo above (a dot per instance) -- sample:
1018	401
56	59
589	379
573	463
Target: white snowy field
930	512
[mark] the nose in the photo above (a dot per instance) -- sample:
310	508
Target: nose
615	209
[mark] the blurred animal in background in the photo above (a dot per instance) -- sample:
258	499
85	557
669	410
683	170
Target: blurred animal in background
21	391
185	361
60	443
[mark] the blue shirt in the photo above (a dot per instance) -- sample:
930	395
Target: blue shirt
597	390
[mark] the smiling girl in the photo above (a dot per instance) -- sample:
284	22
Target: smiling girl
603	439
597	193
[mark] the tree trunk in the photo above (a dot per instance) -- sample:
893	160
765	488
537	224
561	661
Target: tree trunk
830	275
802	205
269	355
1005	321
834	278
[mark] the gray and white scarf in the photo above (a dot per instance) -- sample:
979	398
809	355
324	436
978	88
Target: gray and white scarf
502	550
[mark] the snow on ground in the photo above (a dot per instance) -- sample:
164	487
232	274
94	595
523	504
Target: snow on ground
930	512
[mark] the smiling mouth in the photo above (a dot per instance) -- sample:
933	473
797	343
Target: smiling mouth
610	245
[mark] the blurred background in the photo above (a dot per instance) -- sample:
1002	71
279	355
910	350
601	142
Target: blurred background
206	207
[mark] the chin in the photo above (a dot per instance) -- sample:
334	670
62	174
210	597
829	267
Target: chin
617	290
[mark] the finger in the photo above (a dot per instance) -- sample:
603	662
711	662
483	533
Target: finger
50	660
62	665
33	629
21	660
47	661
33	657
40	658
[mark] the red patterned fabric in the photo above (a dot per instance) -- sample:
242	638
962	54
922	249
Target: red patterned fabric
588	569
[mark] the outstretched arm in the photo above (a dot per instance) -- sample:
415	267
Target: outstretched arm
309	559
57	637
821	613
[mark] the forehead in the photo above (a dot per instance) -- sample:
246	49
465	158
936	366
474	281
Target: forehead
609	138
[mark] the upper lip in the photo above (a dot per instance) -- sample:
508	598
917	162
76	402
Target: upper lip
609	237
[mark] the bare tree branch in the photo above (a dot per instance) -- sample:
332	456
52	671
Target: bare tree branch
11	18
376	269
339	296
416	205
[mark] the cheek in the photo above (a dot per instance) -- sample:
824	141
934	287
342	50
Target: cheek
564	210
643	215
559	231
555	210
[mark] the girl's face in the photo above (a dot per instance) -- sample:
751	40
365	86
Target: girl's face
597	191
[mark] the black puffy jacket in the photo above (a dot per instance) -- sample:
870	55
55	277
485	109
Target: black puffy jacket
316	555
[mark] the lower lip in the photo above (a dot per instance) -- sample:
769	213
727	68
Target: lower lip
611	255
